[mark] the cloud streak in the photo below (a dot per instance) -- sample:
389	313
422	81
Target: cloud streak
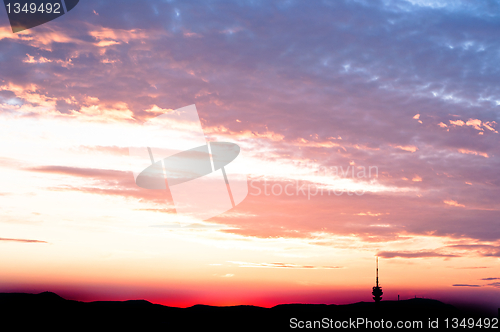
284	266
22	240
414	254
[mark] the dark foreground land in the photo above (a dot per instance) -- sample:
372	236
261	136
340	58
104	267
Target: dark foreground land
49	311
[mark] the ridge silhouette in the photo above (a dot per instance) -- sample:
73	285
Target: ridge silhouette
50	310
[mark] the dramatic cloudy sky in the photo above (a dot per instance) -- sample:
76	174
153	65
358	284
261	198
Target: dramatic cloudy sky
307	89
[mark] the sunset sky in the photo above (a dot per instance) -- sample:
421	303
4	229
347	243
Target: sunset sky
410	88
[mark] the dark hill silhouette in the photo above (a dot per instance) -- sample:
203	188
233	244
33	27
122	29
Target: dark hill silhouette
52	311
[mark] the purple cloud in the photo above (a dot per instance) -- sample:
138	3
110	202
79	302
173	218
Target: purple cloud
413	254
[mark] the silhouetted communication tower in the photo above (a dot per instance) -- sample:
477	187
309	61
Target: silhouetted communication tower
377	290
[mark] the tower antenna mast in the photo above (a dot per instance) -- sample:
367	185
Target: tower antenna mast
377	290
